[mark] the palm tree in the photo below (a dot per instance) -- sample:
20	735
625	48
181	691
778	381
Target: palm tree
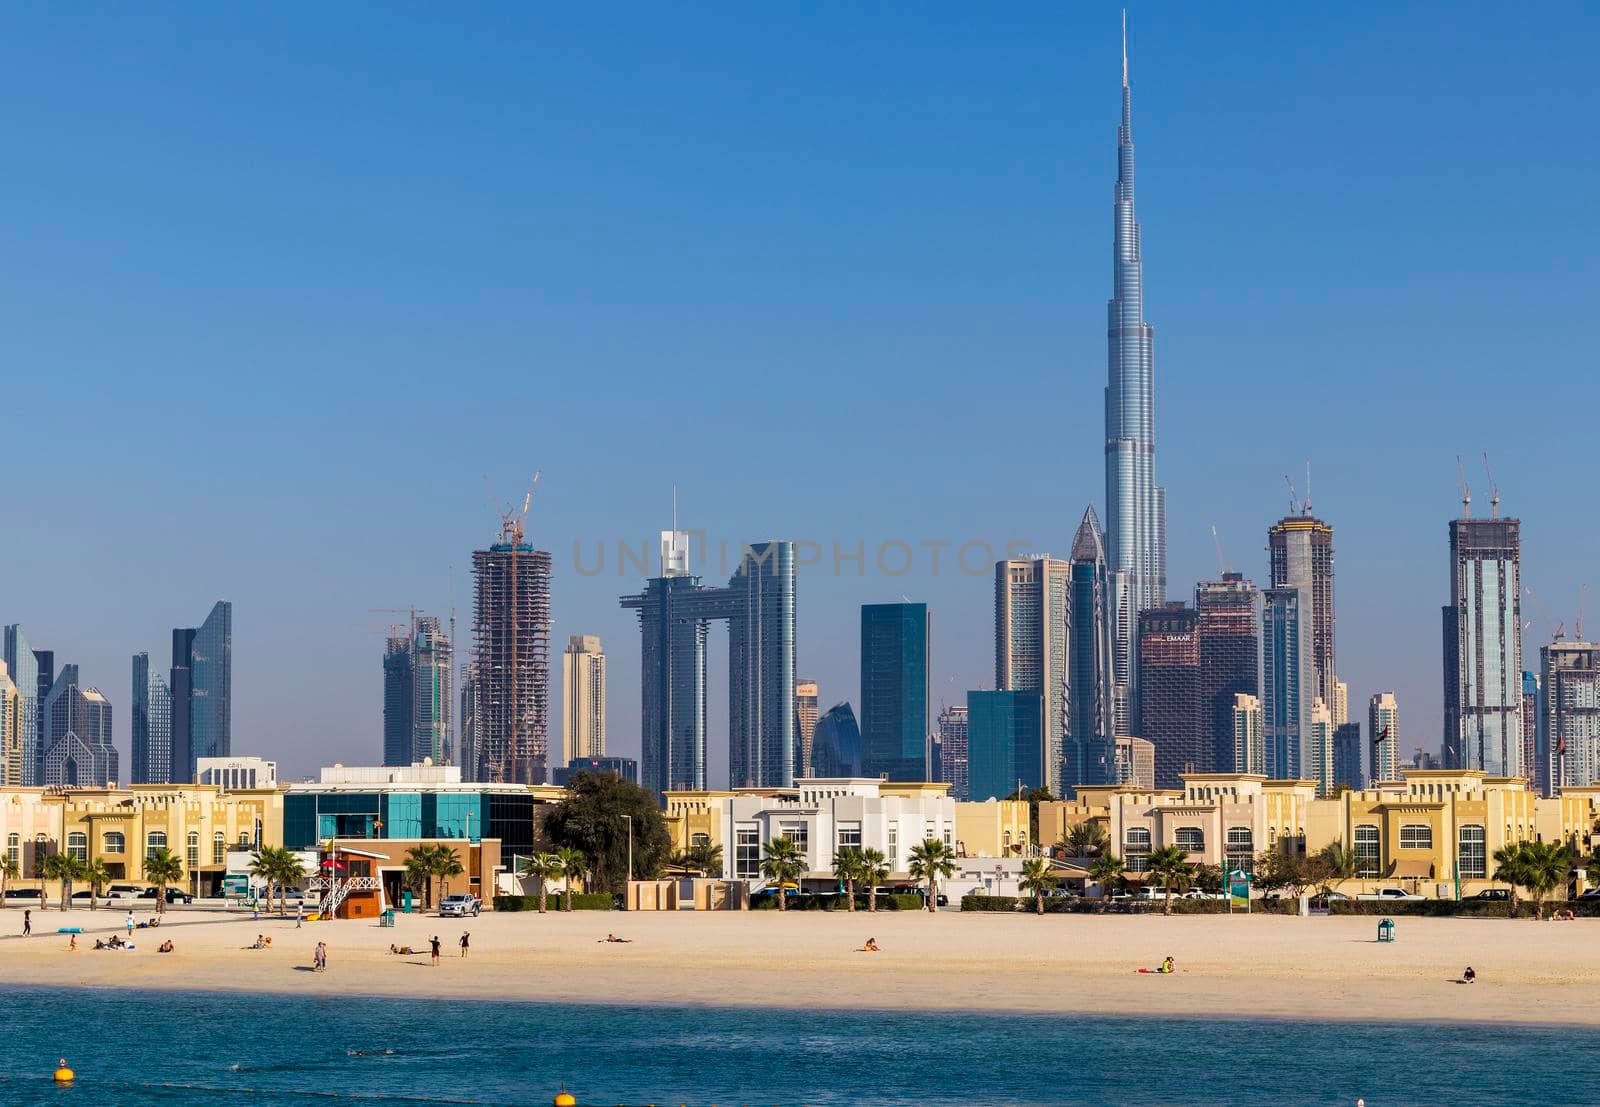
420	863
874	871
1541	867
707	858
63	867
682	863
1105	869
544	867
164	867
98	876
930	861
1169	867
9	871
447	866
573	863
783	863
847	867
1508	867
1086	839
267	864
1037	879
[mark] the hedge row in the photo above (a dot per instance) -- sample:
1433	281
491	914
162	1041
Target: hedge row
581	901
833	901
1437	908
1468	909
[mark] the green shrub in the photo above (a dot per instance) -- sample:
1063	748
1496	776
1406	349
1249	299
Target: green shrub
581	901
975	902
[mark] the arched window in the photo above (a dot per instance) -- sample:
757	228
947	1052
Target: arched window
1241	847
1191	839
114	842
78	845
1368	854
1136	848
193	849
1416	836
14	849
219	847
156	839
1471	857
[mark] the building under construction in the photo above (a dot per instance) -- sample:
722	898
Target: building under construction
511	661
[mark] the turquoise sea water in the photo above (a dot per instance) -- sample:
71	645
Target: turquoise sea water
193	1048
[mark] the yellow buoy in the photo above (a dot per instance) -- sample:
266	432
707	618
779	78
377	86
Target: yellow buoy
565	1099
63	1074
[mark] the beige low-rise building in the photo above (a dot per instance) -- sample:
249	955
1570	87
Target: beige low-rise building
30	828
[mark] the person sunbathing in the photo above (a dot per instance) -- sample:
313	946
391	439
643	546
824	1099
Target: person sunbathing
259	943
1469	976
404	951
614	938
165	947
870	947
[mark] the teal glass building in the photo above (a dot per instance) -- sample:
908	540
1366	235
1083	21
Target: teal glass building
894	690
1005	742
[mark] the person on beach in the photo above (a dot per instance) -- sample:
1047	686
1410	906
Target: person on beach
465	936
131	924
870	947
614	938
436	944
165	947
1167	966
72	946
1469	976
319	958
27	923
299	915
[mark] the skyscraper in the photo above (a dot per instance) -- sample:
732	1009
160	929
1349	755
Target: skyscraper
1136	541
1536	768
1483	648
1317	764
152	724
953	749
11	774
1170	709
675	611
1230	658
511	651
583	698
836	743
1288	677
397	692
201	686
1347	755
1032	616
1570	685
1301	548
895	654
1005	733
805	721
1249	751
1383	717
24	670
80	752
1090	740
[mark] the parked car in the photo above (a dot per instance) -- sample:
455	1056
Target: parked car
1393	895
1591	895
84	898
124	892
1501	894
1196	893
459	906
174	895
25	896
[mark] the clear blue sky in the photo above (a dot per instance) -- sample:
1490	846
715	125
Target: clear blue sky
280	285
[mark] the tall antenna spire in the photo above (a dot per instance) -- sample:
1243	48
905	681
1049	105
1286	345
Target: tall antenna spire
1124	47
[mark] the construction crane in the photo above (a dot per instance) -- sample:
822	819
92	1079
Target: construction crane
1494	489
1466	493
1222	564
512	520
1557	630
1582	589
1294	497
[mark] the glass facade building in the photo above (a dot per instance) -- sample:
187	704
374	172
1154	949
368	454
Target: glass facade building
1089	746
24	670
152	724
1032	647
675	613
201	685
1005	736
1483	648
895	654
836	743
1230	657
1170	709
1288	678
1135	506
310	817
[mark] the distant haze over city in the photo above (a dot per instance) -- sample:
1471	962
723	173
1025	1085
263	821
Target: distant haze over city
282	294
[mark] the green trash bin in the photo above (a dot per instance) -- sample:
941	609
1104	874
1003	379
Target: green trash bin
405	902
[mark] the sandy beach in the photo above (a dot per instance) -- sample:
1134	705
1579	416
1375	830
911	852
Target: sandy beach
1261	966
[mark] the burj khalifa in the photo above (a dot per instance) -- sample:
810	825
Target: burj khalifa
1136	538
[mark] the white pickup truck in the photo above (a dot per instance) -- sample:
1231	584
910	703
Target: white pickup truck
1392	894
